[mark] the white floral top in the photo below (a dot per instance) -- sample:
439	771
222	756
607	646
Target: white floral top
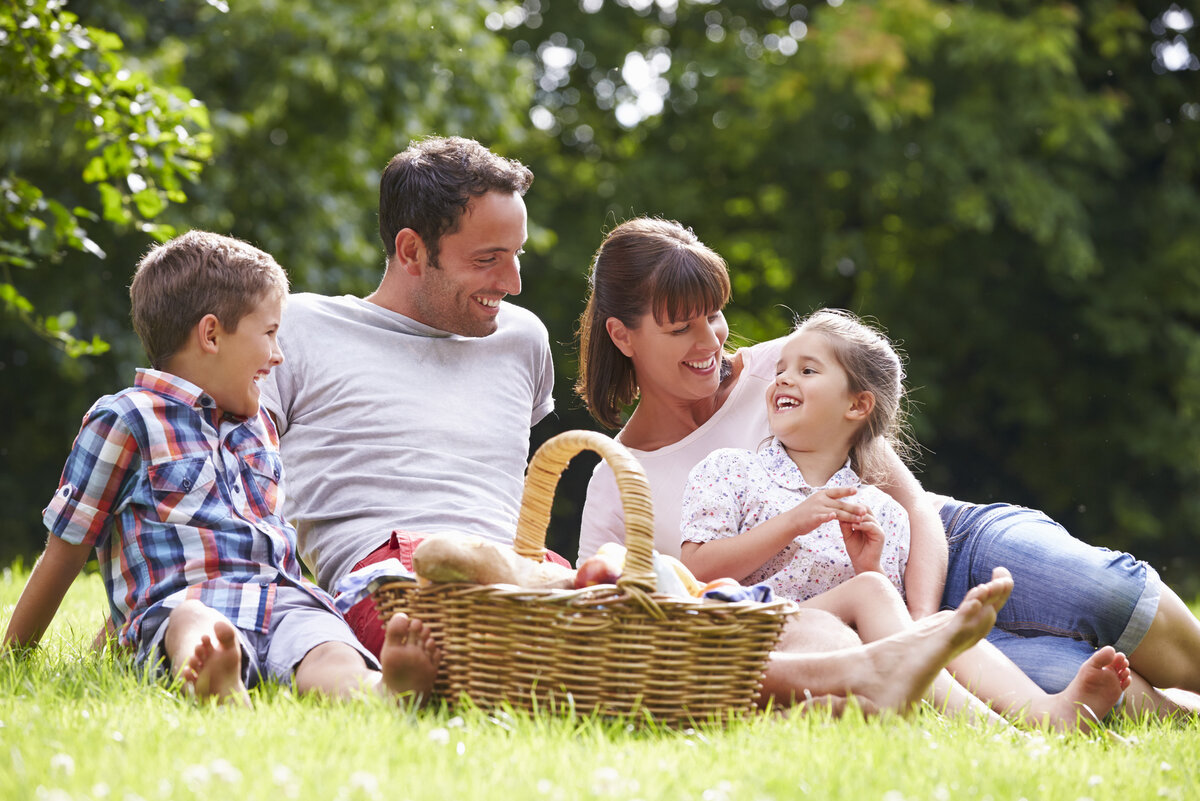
734	490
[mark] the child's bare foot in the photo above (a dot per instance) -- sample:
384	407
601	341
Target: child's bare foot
214	670
409	657
1093	692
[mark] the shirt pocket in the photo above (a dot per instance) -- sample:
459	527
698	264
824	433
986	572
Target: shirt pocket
264	471
182	489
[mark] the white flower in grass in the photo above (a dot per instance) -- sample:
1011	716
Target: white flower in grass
545	786
893	795
225	771
63	763
1093	780
1164	766
440	736
100	790
195	775
606	781
368	783
722	792
52	794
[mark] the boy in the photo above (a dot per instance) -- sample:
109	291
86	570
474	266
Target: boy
176	484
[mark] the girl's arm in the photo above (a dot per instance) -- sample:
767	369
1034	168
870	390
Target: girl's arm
57	567
739	556
925	575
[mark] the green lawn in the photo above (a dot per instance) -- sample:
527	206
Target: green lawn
74	726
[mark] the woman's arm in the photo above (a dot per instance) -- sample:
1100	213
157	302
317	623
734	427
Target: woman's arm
925	575
57	567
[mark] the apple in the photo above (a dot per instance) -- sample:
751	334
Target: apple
598	569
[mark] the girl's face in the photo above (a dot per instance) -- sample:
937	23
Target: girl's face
810	405
680	358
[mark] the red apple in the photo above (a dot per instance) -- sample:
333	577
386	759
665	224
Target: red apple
598	569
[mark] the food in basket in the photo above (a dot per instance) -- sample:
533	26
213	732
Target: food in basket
602	567
453	558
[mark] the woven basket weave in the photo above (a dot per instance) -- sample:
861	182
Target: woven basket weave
617	649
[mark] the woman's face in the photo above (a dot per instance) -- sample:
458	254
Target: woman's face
678	358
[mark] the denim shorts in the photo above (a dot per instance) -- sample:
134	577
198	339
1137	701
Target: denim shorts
299	623
1069	598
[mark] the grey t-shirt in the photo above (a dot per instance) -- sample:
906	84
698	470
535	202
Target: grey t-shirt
386	423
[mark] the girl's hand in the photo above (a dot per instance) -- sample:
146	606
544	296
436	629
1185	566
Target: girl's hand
826	505
864	544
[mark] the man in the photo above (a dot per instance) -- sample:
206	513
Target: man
409	411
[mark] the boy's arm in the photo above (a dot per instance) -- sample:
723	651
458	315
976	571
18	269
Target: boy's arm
57	567
925	575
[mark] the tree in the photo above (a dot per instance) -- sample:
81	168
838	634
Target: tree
1011	187
303	102
68	94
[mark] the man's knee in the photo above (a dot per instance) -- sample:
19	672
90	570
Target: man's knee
814	630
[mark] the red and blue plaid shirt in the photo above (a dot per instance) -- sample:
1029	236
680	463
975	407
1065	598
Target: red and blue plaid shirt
179	502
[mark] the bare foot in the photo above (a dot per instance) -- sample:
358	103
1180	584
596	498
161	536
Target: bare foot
409	657
993	593
214	670
894	673
1093	692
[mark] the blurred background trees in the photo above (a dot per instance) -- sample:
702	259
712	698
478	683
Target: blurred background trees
1010	188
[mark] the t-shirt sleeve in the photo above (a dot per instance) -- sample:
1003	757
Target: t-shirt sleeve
95	480
710	499
543	381
603	518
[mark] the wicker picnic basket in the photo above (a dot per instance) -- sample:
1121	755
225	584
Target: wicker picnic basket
618	649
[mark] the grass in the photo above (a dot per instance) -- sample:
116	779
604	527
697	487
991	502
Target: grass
74	726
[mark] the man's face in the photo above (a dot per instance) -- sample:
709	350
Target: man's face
476	267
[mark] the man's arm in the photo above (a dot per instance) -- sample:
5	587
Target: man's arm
57	567
925	575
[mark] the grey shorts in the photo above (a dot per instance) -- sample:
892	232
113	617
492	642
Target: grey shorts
298	624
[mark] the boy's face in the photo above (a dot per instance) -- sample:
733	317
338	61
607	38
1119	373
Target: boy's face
246	356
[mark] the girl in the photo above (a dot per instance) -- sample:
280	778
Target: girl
795	515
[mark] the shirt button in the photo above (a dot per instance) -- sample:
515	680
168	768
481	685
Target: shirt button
236	488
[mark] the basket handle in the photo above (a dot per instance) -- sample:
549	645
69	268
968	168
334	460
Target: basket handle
541	480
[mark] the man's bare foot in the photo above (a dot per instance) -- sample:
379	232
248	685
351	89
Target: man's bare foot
409	657
214	670
1090	696
892	674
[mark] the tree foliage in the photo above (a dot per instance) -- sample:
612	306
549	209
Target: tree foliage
1009	187
68	97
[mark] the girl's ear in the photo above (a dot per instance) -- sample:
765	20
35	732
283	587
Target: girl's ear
410	251
208	333
861	405
619	334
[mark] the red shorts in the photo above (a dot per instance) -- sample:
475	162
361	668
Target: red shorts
363	617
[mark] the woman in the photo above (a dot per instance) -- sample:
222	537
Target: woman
653	331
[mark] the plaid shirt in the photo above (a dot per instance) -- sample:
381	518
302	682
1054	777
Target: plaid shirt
179	502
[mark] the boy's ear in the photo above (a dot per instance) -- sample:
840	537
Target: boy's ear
411	253
619	334
208	333
861	405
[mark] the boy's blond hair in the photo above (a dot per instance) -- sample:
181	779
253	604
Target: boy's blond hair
194	274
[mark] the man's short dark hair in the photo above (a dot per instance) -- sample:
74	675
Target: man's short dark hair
427	186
